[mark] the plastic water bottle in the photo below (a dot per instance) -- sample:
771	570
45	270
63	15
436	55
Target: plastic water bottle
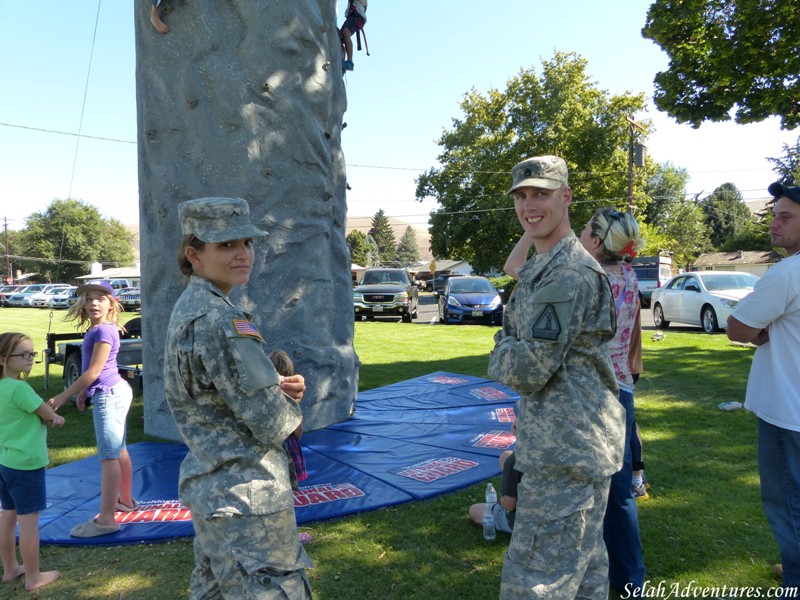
489	531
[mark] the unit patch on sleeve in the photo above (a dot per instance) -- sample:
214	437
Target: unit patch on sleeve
547	326
244	327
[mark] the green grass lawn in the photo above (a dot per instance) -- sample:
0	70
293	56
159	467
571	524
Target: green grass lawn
703	523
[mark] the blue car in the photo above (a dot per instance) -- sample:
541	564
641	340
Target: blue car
470	298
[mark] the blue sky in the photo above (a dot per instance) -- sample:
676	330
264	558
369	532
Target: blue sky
424	57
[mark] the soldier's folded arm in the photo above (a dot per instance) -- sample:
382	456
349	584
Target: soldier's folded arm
525	365
248	383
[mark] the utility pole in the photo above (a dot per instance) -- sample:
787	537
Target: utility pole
634	126
9	276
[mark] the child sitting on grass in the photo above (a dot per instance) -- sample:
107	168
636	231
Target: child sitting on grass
505	508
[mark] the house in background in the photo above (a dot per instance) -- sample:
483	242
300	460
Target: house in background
118	274
756	262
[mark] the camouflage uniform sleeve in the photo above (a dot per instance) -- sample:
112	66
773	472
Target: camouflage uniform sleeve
539	332
248	384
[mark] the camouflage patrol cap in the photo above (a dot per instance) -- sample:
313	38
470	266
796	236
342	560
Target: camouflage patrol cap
546	172
217	219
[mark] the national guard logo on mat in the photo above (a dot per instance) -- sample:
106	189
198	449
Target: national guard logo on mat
244	327
547	326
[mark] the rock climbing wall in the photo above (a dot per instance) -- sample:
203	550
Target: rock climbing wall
246	99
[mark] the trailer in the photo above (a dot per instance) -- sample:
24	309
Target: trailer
65	349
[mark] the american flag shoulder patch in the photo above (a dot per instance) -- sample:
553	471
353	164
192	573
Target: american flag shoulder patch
245	327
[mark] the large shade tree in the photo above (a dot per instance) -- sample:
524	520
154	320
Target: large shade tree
727	56
560	111
61	242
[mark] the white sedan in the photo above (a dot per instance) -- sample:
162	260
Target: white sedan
705	298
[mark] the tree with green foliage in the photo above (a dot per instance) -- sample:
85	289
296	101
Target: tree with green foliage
686	234
359	249
407	249
666	189
61	242
655	241
373	253
788	166
726	214
381	232
754	236
727	55
561	112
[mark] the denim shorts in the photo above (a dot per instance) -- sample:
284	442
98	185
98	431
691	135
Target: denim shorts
500	518
22	491
109	411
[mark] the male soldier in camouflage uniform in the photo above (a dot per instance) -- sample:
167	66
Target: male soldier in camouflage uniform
570	426
230	409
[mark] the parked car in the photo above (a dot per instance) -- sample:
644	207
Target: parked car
7	291
61	298
470	298
22	297
651	272
131	299
25	296
437	283
384	292
42	299
705	298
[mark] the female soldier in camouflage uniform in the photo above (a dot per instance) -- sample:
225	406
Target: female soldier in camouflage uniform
231	410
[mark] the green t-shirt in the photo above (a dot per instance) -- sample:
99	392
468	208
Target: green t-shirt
23	435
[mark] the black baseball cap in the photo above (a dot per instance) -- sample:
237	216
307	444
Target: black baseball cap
778	190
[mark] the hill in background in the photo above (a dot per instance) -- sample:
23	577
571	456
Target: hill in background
398	226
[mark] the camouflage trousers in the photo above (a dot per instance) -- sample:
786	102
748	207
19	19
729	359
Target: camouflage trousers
249	557
557	548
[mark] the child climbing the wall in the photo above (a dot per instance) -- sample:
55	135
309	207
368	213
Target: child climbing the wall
155	17
355	19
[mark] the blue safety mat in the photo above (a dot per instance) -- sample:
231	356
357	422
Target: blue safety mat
407	441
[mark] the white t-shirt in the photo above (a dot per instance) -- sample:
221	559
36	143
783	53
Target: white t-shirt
773	388
361	7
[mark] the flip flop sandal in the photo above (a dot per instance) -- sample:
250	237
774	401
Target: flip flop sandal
122	508
92	529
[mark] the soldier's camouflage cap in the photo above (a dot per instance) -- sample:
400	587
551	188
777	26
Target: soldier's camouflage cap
217	219
546	172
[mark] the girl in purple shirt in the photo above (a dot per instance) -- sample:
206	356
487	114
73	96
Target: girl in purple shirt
111	398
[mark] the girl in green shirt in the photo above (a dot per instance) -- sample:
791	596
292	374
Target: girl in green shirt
23	457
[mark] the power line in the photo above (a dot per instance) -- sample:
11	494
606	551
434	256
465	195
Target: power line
55	131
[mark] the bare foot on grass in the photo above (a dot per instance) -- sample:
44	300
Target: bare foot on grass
14	574
41	580
155	19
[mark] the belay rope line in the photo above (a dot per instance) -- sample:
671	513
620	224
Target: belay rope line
75	158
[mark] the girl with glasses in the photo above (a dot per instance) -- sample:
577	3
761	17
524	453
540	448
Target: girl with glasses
23	458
